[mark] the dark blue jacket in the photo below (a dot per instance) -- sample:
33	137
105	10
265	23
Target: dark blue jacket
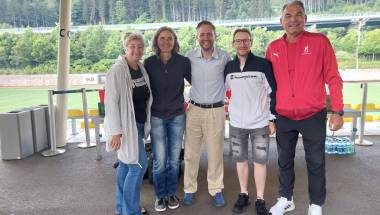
167	83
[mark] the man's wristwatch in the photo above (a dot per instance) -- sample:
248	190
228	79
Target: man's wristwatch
272	120
340	113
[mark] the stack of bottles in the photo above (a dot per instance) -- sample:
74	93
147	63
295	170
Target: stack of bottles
339	146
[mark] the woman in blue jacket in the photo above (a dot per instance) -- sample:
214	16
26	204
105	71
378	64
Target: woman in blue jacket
167	70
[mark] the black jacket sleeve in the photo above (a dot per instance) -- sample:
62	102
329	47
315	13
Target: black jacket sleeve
187	70
272	83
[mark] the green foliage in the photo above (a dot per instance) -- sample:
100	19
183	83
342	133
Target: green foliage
102	66
261	39
94	50
5	26
77	45
22	51
143	18
42	50
7	42
342	7
349	41
114	45
95	43
224	39
44	13
371	43
119	13
187	39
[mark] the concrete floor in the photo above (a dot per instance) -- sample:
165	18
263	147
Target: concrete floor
75	183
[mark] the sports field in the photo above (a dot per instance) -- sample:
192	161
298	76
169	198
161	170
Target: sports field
15	98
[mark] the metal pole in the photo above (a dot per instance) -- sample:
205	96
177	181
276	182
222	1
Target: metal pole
97	121
87	144
361	140
53	146
63	71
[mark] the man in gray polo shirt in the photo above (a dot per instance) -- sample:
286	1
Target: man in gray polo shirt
205	116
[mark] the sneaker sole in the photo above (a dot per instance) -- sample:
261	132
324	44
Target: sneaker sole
173	207
219	206
160	210
292	207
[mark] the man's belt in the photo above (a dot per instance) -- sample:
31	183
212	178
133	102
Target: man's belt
215	105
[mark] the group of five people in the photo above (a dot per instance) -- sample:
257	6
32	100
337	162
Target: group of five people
283	94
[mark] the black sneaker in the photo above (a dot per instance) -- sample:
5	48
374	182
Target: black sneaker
160	205
261	209
242	203
173	202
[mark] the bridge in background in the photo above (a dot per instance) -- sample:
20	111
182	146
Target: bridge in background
272	24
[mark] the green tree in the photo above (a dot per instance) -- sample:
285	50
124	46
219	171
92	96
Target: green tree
77	45
114	45
42	49
95	43
371	43
119	14
22	51
187	39
349	41
7	42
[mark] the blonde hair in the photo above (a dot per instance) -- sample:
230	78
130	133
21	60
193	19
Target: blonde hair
129	36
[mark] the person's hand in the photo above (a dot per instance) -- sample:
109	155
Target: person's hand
272	128
115	142
335	122
186	106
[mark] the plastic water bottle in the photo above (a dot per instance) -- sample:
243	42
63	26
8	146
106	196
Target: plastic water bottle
351	148
327	146
345	147
334	149
339	146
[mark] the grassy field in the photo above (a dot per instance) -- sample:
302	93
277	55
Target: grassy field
15	98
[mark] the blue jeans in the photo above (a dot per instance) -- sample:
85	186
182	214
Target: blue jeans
166	135
129	179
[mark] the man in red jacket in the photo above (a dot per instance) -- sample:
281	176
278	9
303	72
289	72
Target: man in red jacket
303	62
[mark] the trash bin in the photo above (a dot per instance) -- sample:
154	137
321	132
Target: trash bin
47	121
39	128
16	134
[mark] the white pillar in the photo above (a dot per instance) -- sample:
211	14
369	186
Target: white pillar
63	71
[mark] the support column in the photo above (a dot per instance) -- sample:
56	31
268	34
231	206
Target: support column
63	71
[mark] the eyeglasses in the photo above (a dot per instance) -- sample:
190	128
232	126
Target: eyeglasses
240	41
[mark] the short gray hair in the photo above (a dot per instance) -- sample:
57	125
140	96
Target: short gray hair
129	36
296	2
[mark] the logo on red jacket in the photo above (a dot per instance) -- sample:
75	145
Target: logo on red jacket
306	51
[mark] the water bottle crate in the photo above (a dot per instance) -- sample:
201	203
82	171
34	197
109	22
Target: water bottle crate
339	146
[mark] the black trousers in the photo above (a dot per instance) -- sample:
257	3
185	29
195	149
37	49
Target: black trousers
313	130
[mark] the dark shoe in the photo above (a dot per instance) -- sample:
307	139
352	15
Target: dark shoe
188	199
160	205
173	202
261	209
242	203
219	200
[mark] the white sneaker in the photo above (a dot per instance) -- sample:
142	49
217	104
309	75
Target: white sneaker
282	205
314	210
